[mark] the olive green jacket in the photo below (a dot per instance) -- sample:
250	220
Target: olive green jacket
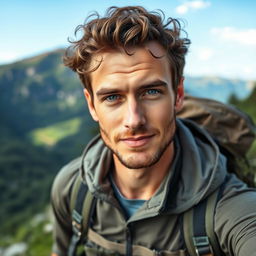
155	227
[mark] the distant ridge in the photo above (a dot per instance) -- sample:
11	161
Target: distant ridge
203	86
37	57
217	88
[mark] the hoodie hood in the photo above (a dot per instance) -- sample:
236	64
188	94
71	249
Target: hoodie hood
202	167
197	170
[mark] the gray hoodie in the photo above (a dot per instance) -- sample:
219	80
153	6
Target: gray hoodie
198	169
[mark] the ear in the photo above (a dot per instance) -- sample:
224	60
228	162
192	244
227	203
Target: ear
179	95
90	104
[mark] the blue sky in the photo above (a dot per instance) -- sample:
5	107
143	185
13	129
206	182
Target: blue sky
223	32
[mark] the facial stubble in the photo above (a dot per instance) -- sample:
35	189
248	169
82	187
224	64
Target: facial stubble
153	159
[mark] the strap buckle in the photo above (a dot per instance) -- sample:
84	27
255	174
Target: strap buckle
77	223
202	245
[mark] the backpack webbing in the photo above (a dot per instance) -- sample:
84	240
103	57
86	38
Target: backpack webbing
198	227
83	204
198	222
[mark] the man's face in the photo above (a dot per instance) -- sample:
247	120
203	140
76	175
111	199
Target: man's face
134	103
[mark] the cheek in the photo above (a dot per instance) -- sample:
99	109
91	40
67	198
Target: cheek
109	122
162	114
105	115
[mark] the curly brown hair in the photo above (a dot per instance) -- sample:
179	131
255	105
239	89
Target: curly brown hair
124	27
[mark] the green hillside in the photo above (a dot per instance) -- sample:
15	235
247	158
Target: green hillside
44	124
39	91
52	134
248	105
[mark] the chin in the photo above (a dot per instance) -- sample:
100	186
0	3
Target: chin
138	162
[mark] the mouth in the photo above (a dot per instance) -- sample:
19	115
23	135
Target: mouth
136	142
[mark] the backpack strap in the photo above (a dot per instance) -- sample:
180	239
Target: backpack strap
82	205
209	220
198	228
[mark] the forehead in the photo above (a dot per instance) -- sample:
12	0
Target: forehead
150	59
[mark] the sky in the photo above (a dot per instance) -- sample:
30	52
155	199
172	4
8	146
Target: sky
222	32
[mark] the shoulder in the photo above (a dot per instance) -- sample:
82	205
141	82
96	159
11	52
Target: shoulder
63	182
236	193
60	202
235	218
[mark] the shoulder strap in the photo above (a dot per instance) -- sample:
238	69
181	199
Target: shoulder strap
198	228
82	206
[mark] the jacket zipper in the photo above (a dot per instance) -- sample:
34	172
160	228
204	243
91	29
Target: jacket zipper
128	233
128	242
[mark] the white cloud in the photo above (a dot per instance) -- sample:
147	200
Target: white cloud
192	5
6	57
222	60
205	53
245	36
247	70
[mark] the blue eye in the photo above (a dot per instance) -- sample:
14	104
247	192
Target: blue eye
152	91
112	98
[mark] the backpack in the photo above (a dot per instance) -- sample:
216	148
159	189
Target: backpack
233	131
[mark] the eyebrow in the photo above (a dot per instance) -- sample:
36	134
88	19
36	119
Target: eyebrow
156	83
104	91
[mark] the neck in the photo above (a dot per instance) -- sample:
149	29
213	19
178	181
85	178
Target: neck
142	183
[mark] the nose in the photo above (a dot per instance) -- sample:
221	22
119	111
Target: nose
135	114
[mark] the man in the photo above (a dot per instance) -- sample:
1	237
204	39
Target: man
147	167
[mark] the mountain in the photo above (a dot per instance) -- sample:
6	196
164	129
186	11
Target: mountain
217	88
42	90
37	93
45	123
46	92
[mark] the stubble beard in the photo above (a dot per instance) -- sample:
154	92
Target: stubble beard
131	162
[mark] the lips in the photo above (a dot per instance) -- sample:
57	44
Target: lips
139	141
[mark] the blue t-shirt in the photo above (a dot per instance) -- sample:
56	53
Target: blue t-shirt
130	206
